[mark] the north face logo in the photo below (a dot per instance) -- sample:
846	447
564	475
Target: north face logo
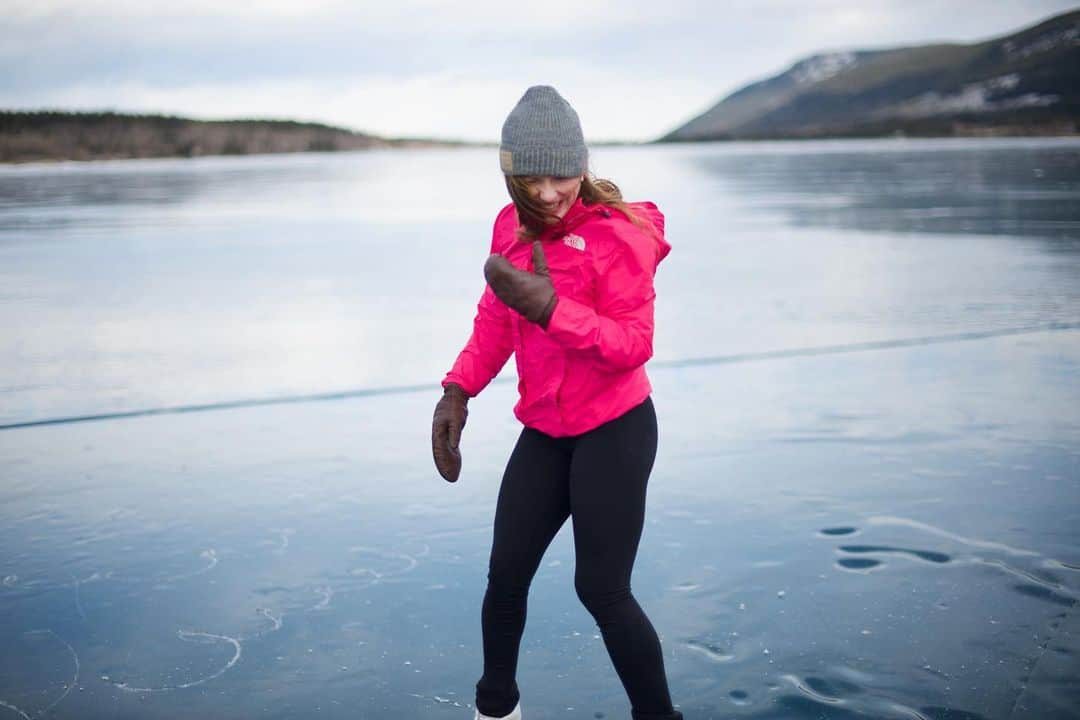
575	241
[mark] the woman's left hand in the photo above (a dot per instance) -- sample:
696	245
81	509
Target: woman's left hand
446	426
530	293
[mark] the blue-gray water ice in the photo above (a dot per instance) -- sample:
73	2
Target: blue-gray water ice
218	498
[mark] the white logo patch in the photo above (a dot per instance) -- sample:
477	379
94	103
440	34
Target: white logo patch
575	241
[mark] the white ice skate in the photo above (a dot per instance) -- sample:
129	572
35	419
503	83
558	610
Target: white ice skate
515	714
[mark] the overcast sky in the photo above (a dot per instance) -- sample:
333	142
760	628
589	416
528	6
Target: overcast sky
431	68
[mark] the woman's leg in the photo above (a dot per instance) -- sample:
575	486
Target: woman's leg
608	478
533	504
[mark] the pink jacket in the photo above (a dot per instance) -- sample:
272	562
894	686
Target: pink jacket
588	366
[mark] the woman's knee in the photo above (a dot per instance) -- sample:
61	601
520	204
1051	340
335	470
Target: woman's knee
598	598
507	581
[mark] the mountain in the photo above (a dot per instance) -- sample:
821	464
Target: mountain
30	136
1025	83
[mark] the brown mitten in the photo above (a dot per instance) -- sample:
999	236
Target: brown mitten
529	293
446	427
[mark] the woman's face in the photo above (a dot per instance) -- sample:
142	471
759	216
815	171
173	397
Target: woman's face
554	194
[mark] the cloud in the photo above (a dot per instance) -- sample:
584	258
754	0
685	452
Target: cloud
446	105
447	69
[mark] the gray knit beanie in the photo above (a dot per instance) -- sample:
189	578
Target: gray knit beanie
542	136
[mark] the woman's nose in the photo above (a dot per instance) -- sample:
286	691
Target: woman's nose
545	192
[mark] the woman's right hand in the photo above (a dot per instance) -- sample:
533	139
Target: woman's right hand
530	293
446	427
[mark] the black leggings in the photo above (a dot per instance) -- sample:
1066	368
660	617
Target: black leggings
599	479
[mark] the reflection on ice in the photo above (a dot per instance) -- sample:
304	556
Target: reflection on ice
863	506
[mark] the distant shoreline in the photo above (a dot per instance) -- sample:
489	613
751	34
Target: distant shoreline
55	136
941	130
74	136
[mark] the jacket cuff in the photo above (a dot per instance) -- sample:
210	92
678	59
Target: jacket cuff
454	380
572	324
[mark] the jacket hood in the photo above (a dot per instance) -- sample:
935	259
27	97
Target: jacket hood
648	212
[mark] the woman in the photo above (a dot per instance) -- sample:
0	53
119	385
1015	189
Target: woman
570	293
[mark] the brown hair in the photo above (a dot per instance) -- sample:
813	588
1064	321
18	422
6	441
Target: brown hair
593	191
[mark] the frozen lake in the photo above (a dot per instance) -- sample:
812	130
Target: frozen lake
866	502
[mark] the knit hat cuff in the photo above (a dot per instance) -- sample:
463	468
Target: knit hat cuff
557	162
